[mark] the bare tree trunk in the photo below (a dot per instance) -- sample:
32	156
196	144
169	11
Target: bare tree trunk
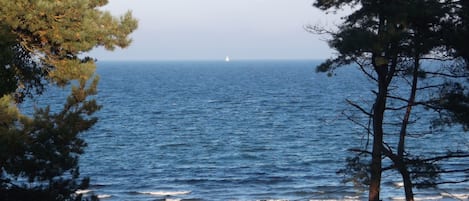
378	116
409	194
401	146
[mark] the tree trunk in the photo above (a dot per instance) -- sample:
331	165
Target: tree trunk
401	146
378	116
409	194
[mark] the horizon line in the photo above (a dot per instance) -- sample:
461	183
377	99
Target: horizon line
220	60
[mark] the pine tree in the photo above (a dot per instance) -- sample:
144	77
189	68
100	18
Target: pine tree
453	102
389	41
41	43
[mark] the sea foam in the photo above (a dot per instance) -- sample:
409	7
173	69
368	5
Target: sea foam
165	193
104	196
80	192
459	196
419	198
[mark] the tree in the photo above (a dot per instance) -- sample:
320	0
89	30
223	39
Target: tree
453	102
389	41
41	43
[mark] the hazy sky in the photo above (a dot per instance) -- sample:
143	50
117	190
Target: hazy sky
213	29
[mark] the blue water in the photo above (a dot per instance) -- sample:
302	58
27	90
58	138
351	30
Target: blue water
243	130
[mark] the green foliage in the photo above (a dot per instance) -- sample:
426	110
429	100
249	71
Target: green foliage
328	4
457	30
18	72
453	99
357	171
58	31
40	44
453	105
424	173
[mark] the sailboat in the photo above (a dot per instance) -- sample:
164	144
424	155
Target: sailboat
227	59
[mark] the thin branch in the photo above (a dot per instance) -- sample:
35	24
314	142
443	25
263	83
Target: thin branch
451	182
398	98
447	75
387	150
421	134
318	30
406	101
436	59
441	171
358	107
362	68
370	121
350	118
396	108
438	158
430	86
360	151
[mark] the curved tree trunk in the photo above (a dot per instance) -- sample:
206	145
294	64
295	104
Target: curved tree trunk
409	195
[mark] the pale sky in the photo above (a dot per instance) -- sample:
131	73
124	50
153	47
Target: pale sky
213	29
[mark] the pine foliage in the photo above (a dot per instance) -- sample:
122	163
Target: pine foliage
41	45
396	44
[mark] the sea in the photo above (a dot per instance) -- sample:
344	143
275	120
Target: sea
238	130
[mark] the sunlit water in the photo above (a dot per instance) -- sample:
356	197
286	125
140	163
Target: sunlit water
252	130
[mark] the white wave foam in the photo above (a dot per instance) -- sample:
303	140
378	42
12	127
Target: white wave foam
165	193
272	200
80	192
104	196
346	198
419	198
459	196
398	184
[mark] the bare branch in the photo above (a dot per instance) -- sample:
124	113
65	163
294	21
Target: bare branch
360	151
358	107
451	182
438	158
447	75
318	30
430	86
362	68
353	120
396	108
441	171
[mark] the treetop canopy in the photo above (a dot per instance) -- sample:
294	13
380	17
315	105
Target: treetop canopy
57	31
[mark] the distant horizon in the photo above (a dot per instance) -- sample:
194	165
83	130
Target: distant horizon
211	29
214	60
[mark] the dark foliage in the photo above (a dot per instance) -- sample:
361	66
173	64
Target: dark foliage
391	42
41	43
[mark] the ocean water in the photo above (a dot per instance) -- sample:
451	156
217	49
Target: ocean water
242	130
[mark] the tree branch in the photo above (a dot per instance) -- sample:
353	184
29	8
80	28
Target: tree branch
438	158
358	107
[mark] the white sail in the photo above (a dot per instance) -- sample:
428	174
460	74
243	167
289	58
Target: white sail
227	59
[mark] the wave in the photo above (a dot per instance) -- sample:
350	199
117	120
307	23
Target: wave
419	198
104	196
272	200
398	184
346	198
459	196
165	193
87	191
100	185
80	192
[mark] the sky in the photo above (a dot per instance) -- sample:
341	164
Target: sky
213	29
